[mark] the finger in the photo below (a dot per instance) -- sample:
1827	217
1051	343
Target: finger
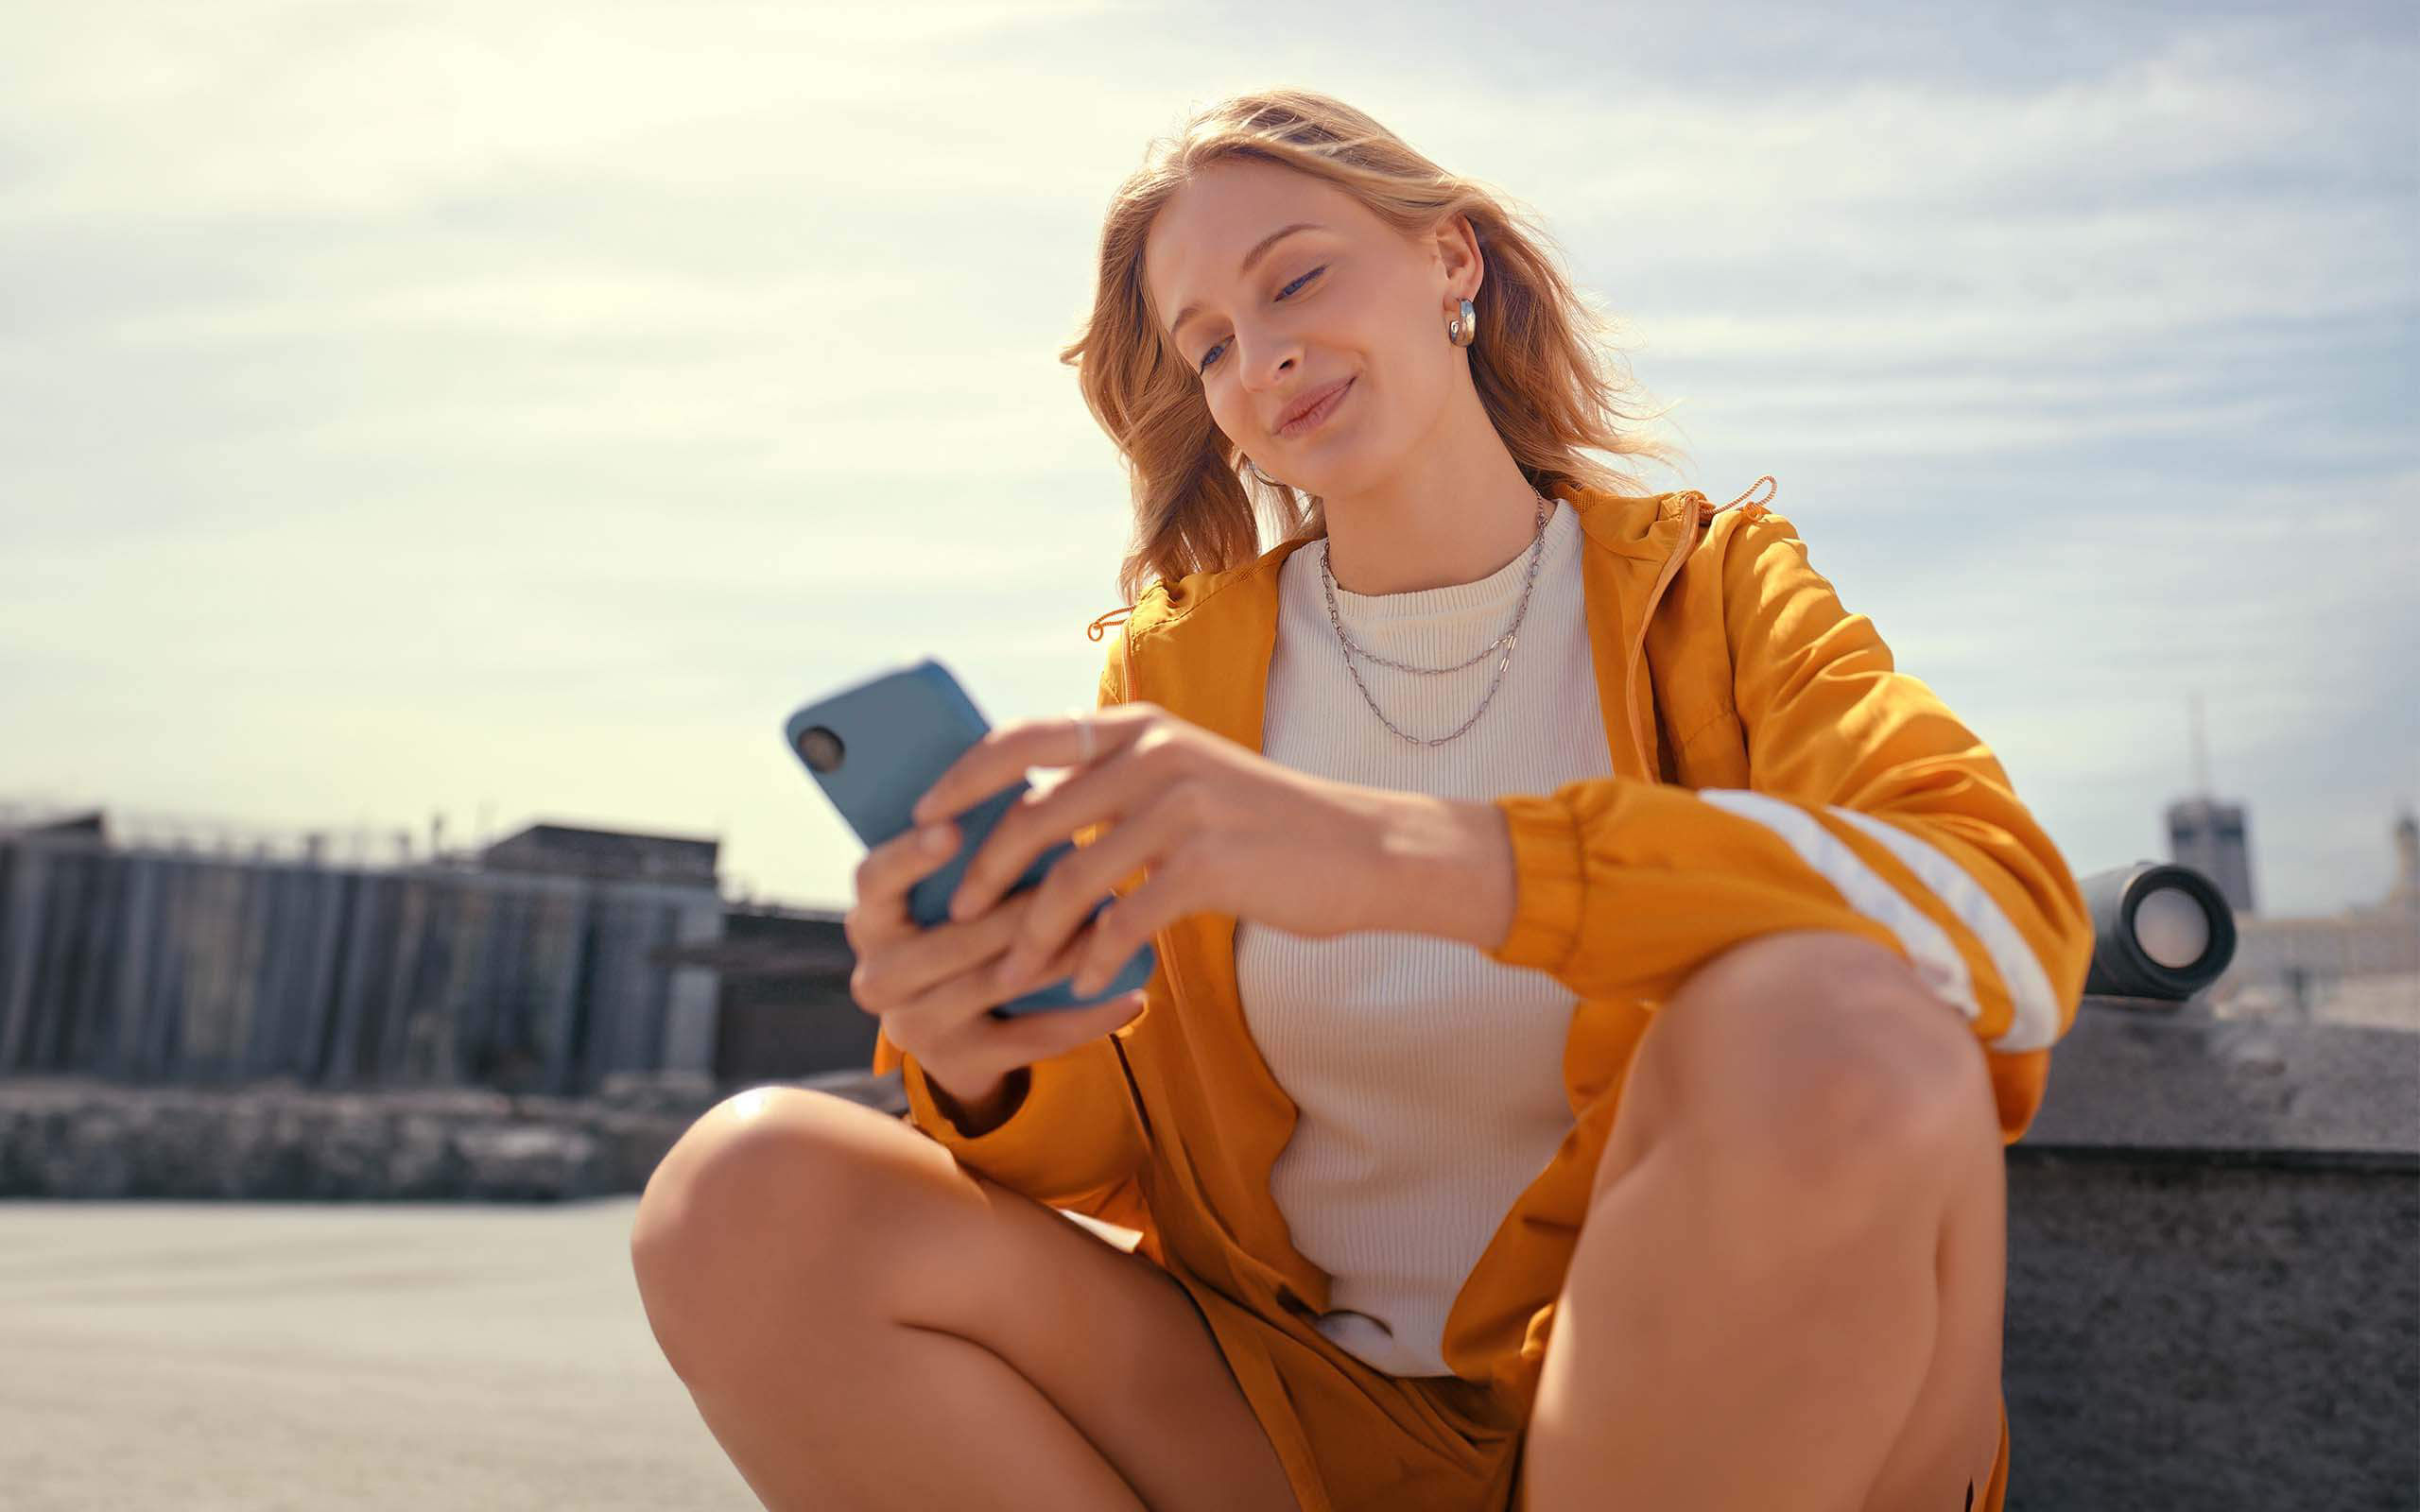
1119	930
890	869
952	1016
906	967
1002	756
1032	1036
1059	965
1108	788
1076	881
1039	969
1033	824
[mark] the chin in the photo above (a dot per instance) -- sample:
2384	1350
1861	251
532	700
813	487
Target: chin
1334	479
1347	463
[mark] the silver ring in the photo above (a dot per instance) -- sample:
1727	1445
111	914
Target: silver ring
1086	726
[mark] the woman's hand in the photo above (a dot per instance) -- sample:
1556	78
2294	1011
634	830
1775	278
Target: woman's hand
1216	829
934	988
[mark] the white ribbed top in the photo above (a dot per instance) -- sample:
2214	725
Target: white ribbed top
1429	1078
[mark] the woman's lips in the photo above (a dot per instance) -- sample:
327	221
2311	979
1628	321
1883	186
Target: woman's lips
1318	412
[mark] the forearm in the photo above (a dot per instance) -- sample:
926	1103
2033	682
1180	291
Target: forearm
1445	870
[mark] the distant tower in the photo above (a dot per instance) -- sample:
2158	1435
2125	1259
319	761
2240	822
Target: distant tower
2407	862
2208	836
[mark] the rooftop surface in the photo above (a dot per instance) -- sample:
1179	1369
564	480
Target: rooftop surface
259	1356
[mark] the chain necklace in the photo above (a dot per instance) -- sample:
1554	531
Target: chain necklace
1327	583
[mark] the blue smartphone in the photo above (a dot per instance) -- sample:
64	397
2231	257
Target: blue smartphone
875	746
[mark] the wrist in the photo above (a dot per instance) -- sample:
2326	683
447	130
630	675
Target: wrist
981	1110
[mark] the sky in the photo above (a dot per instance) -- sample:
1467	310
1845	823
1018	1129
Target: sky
483	414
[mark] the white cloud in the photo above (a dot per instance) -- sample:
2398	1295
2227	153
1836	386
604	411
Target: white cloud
423	406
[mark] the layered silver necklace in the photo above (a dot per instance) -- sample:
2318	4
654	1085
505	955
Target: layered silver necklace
1327	581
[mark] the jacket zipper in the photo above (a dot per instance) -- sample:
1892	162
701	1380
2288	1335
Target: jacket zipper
1638	647
1133	1088
1178	1166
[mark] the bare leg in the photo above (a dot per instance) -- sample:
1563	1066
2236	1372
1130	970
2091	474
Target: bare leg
862	1323
1788	1289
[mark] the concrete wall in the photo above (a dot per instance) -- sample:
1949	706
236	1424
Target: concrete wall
2213	1333
2214	1268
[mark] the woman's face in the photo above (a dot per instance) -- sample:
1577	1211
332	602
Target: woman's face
1348	302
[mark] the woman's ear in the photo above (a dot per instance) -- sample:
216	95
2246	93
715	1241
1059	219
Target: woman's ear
1457	252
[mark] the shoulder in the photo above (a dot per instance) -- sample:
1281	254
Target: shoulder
1196	598
1213	609
1740	530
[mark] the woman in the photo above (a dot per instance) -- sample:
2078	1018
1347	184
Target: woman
1595	987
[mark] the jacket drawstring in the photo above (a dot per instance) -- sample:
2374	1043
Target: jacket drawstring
1757	507
1102	626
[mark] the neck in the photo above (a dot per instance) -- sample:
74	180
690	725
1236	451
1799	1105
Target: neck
1457	511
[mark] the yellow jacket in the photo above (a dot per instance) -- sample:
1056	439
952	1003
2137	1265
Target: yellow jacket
1771	771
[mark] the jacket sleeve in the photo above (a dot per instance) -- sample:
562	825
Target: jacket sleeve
1074	1140
1871	811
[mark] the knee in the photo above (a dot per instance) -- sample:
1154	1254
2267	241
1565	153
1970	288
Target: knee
760	1193
1816	1061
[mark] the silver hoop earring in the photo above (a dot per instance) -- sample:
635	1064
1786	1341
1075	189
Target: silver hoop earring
1253	468
1463	329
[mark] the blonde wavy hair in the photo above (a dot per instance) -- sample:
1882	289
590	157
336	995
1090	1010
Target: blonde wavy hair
1550	381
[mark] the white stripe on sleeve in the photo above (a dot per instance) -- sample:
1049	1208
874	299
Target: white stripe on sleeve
2034	1019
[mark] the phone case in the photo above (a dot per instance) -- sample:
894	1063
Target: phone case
897	733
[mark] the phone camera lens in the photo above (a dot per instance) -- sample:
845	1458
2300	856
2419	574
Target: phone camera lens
820	748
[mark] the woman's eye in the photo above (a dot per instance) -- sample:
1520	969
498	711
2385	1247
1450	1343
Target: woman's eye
1300	282
1281	294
